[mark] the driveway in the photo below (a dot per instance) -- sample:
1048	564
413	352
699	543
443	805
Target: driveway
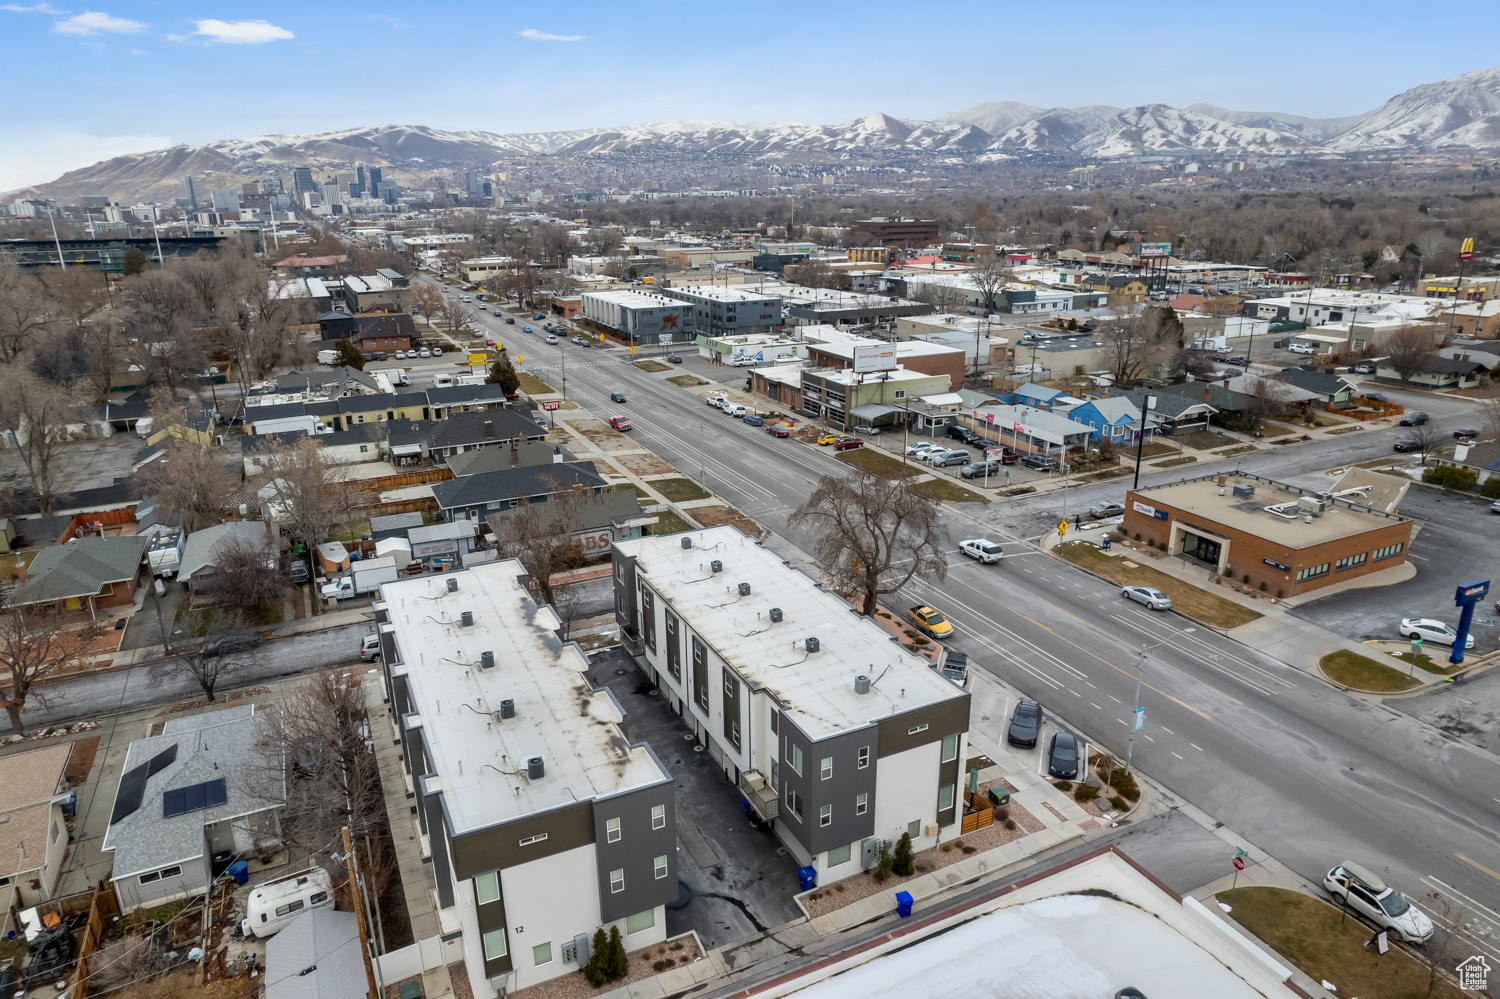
735	879
1455	542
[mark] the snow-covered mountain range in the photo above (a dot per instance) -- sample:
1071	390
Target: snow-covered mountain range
1459	113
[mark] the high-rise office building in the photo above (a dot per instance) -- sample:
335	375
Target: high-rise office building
374	178
272	183
226	199
359	174
187	192
302	181
473	183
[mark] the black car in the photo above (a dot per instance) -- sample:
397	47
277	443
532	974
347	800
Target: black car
238	641
510	320
1465	434
617	397
1408	445
674	358
1062	756
1025	724
1040	462
962	434
380	355
1414	419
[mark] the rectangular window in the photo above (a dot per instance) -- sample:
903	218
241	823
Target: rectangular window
775	776
774	716
640	922
864	757
700	673
914	828
1387	552
532	840
660	867
658	816
825	769
838	855
950	748
945	797
794	804
494	945
542	954
648	618
794	757
861	804
917	729
1349	562
674	648
612	830
487	887
617	879
1312	572
825	815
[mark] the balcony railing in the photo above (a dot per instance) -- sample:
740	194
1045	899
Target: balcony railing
763	798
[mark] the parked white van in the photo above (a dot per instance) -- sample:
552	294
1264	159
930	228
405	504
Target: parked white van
274	904
442	381
733	409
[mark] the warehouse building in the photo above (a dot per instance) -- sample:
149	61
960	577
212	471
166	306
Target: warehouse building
1286	539
836	735
641	317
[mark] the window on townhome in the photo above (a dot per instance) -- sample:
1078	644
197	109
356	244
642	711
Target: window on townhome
794	757
950	748
494	945
542	954
612	830
660	866
825	769
861	804
945	797
617	880
794	804
658	816
864	757
487	887
825	815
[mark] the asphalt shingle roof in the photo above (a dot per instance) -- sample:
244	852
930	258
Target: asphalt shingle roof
80	568
316	957
507	484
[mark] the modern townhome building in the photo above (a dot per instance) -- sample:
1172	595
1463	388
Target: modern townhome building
642	317
541	821
729	311
837	736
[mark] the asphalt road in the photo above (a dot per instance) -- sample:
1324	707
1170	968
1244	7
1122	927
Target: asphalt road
1308	773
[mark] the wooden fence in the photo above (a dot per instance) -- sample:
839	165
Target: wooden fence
422	504
418	477
1370	408
88	521
104	905
978	812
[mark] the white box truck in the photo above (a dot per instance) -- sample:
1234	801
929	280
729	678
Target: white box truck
328	357
397	376
274	904
363	577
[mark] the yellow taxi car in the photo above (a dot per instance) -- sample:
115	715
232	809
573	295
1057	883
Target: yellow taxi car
828	438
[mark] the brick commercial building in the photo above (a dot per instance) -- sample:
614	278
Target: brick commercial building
1286	539
898	231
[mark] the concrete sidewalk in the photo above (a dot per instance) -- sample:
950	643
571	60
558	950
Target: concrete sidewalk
325	621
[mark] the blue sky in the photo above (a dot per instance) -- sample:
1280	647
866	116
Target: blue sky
113	76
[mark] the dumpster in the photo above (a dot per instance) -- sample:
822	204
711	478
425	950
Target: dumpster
808	876
239	870
903	904
999	796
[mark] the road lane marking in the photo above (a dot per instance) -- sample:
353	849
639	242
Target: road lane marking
1121	721
1196	746
1147	737
1095	706
1112	697
1166	730
1476	863
1174	754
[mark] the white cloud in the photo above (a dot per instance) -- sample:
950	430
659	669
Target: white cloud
542	36
388	19
30	156
93	22
36	8
242	32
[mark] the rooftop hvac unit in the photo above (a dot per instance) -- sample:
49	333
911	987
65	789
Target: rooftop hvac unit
452	585
468	619
862	684
775	615
687	543
1244	490
1311	505
744	589
535	768
486	660
811	645
507	708
716	566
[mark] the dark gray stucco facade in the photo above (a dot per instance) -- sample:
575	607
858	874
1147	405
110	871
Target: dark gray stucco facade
840	791
640	841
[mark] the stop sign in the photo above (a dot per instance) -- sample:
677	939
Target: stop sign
1239	863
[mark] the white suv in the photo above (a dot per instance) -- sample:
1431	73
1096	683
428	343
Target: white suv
920	449
1368	895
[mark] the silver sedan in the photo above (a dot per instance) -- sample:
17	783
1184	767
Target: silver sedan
1150	596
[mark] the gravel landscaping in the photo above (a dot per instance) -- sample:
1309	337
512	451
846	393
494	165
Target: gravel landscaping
643	964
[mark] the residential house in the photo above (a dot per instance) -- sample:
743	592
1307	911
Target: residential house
393	525
493	459
450	541
350	411
604	518
360	443
200	556
474	496
33	828
382	292
1114	418
205	792
88	573
836	736
1172	413
1024	429
1234	395
388	331
1437	372
462	432
1038	396
1330	389
571	830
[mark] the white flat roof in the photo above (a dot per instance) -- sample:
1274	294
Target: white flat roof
1049	939
558	717
635	299
816	690
732	294
904	348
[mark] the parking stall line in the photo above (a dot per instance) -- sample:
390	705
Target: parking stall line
1196	746
1179	757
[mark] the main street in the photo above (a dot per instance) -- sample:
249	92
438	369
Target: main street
1310	774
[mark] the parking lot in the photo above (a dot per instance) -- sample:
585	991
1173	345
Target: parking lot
1036	756
734	878
1456	542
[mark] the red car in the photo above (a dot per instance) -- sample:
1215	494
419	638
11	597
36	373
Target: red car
778	430
619	423
847	443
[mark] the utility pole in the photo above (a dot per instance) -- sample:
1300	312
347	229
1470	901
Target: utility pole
1140	674
359	916
1147	403
52	217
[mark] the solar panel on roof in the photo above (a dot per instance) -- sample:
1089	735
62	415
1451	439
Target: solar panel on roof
193	797
128	797
162	760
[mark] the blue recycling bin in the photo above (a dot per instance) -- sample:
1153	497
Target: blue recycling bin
239	870
808	876
903	904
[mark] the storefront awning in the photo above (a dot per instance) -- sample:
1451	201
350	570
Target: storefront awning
873	412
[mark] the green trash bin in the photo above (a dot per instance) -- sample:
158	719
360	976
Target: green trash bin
999	796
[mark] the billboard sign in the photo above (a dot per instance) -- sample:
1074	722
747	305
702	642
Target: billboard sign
1156	250
874	357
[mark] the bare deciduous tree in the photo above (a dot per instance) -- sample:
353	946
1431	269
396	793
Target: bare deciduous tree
304	486
523	282
990	276
25	312
191	480
1223	305
35	642
814	273
1135	342
216	660
873	535
544	536
247	573
1407	350
37	413
1429	437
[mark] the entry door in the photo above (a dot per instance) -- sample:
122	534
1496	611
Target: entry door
1201	548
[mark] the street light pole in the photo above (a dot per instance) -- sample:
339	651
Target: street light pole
1147	403
1140	675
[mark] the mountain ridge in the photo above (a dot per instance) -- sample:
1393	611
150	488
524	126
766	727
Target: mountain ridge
1462	112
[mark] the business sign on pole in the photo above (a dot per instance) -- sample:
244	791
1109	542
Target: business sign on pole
1467	253
1155	250
874	357
552	404
479	358
1140	720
